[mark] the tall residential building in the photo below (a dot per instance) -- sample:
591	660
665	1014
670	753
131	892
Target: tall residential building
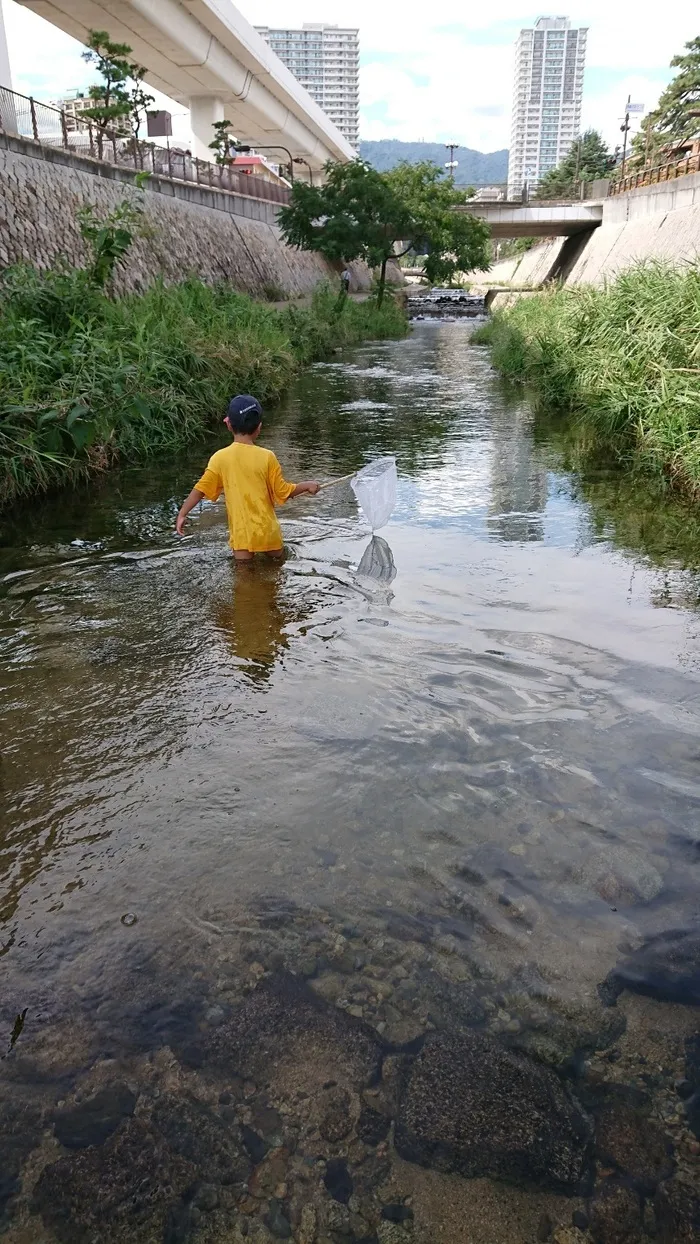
326	60
547	93
73	107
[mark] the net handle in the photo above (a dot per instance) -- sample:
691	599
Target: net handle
341	480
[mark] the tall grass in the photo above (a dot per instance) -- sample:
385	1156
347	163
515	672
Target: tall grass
85	380
624	358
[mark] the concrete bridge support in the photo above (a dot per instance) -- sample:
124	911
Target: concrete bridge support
205	111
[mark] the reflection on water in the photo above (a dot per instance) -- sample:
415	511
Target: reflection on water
377	561
448	776
253	617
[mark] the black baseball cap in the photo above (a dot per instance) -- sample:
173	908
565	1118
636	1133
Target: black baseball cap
244	404
244	414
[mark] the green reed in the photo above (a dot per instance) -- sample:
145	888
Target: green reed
86	381
624	358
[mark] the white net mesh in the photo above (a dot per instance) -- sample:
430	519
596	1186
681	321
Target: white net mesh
375	489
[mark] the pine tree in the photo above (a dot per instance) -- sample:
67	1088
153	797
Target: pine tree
677	114
588	159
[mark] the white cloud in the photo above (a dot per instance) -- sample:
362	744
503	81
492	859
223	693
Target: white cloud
439	72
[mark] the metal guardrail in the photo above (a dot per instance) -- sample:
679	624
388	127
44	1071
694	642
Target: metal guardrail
27	117
656	175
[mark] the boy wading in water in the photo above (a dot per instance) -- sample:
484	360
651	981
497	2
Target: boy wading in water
252	482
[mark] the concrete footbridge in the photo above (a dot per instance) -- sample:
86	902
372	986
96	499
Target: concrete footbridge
205	55
537	219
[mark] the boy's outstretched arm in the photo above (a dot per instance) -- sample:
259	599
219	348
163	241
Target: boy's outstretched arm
188	504
309	486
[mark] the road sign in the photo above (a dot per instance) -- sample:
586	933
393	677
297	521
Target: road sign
634	108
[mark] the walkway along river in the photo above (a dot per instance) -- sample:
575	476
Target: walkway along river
335	901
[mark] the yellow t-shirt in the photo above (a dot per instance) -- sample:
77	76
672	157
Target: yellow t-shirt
252	482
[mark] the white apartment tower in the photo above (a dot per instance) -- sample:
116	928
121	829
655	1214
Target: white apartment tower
547	93
326	60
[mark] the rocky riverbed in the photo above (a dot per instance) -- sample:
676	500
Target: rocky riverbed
327	1085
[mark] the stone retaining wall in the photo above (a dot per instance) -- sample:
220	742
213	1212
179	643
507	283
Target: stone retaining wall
190	230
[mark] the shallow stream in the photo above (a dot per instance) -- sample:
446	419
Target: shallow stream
449	799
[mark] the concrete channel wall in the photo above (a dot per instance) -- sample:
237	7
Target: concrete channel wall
653	222
189	229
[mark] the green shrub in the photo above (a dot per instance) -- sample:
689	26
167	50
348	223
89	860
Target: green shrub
85	380
624	358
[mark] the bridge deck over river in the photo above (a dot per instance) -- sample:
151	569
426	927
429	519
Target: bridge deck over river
204	54
541	219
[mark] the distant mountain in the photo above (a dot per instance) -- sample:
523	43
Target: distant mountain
474	167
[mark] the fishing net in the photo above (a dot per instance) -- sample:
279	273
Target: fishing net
375	488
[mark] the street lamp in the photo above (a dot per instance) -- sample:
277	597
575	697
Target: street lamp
301	160
244	148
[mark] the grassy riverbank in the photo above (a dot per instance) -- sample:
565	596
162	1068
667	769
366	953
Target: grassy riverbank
86	381
626	359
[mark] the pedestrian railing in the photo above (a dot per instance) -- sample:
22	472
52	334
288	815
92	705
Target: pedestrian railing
27	117
654	176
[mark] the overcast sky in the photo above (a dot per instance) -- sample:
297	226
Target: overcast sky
438	71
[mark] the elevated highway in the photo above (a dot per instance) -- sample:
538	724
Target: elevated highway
537	219
205	55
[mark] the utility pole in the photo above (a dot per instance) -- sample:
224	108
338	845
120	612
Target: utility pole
625	130
452	163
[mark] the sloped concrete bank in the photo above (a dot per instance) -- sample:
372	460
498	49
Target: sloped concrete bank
190	230
653	222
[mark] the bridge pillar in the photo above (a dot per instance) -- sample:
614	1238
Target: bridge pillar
204	111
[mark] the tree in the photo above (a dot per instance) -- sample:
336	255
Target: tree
359	213
677	114
224	143
115	101
588	159
676	117
452	241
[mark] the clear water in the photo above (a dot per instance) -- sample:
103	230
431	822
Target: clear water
495	754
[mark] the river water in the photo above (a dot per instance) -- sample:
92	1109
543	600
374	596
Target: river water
486	762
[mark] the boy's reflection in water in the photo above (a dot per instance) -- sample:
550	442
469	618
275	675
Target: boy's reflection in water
254	616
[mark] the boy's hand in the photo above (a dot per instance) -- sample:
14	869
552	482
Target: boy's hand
312	487
188	504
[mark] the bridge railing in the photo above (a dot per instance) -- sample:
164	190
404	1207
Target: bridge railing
659	173
27	117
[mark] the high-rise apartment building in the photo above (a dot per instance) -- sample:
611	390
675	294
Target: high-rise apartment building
326	60
547	93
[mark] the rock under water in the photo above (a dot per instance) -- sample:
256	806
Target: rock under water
666	967
471	1106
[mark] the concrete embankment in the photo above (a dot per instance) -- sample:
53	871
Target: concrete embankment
653	222
190	230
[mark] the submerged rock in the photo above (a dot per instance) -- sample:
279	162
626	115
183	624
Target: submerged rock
196	1133
473	1107
20	1132
338	1180
283	1018
91	1122
666	967
619	875
677	1209
616	1214
127	1188
627	1139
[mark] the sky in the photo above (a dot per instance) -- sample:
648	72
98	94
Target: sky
440	72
